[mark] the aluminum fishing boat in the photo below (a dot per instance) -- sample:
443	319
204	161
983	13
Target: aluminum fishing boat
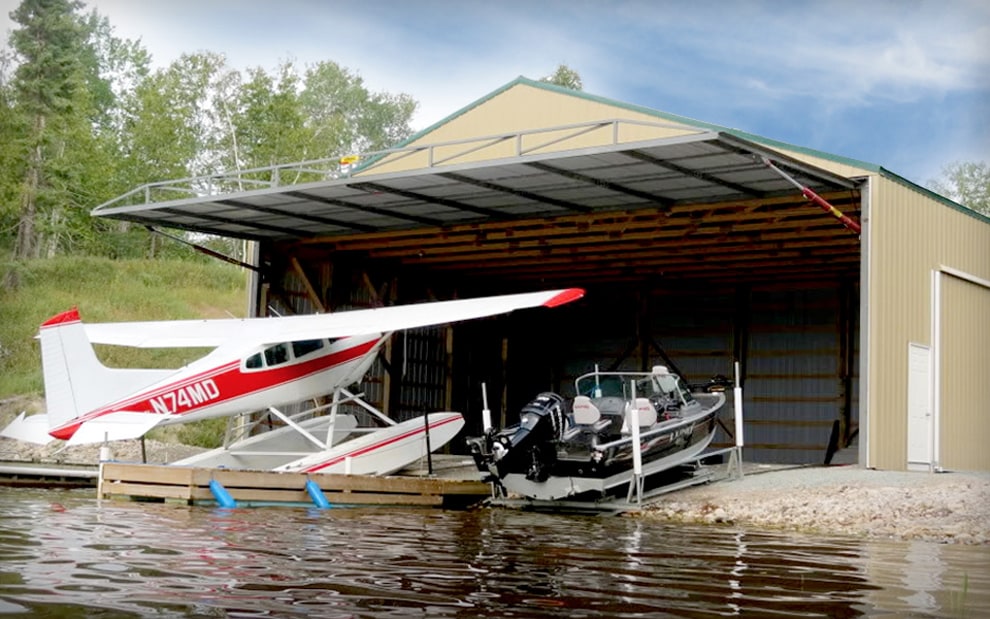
583	447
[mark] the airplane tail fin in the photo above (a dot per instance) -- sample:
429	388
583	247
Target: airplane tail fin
76	382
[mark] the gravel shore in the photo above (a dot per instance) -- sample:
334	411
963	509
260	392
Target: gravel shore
841	500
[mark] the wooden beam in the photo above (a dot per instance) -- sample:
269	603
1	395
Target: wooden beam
310	291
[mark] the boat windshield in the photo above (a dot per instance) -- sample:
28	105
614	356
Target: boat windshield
619	384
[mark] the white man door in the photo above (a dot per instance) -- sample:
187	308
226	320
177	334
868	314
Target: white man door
919	431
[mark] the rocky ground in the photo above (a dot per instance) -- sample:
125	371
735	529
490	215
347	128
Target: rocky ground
156	452
842	500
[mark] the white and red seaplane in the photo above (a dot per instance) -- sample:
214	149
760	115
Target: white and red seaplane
256	364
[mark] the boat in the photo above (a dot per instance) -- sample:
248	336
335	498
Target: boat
584	447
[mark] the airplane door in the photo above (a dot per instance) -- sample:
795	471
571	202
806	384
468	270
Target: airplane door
919	407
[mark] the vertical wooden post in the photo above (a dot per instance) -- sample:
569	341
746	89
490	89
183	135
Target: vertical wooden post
448	393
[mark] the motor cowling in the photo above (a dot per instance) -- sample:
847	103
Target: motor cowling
528	447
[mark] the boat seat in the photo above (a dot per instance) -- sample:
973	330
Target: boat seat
585	411
647	412
647	415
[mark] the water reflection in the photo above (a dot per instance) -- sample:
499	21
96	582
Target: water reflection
64	552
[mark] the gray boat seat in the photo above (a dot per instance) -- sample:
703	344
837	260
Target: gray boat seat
585	411
647	414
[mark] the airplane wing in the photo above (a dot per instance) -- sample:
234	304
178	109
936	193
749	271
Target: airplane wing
211	333
165	333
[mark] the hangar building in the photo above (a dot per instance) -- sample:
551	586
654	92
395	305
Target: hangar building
699	247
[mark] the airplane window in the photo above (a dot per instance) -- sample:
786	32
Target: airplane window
305	347
277	354
254	362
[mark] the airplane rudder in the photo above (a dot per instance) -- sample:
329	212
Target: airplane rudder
69	365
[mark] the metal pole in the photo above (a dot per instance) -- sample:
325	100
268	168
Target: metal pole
429	455
817	199
486	413
637	478
737	403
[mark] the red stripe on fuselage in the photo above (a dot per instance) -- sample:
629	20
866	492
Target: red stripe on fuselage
229	382
378	445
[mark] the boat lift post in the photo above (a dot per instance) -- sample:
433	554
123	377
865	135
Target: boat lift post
486	413
735	457
636	482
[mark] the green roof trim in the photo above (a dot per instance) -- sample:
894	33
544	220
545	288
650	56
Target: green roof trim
684	120
934	196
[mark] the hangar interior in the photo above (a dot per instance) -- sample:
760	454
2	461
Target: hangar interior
693	251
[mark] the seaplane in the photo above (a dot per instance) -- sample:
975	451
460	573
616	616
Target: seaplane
256	364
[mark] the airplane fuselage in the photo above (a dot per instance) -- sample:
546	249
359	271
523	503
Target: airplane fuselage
266	376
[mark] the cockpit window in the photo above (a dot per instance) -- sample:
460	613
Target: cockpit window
305	347
283	353
254	362
277	354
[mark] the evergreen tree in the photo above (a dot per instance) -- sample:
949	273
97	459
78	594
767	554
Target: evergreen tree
46	88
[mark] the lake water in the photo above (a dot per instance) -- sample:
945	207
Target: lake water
65	554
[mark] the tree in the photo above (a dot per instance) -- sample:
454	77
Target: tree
344	117
13	154
564	76
60	118
46	85
83	120
966	182
270	127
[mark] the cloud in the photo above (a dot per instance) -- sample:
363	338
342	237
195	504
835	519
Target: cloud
841	52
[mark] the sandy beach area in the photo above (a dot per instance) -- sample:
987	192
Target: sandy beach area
841	500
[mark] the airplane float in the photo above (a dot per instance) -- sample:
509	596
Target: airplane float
256	364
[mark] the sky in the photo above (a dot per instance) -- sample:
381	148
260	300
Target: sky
904	84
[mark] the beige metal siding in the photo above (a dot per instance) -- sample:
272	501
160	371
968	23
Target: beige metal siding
911	236
523	108
965	358
836	167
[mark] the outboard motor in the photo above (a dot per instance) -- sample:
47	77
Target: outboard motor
528	447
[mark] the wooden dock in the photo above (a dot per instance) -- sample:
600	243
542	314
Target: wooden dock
32	475
192	486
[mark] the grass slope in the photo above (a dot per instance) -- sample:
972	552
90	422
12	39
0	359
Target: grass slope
107	290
